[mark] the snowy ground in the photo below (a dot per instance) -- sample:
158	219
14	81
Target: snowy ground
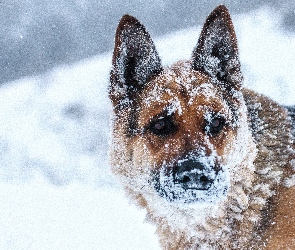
56	188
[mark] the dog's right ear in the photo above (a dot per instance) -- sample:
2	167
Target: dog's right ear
135	60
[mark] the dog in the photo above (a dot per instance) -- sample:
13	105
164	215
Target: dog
211	161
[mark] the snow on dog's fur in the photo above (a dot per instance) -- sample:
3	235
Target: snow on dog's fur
206	158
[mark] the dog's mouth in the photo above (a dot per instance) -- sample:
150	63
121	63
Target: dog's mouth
188	181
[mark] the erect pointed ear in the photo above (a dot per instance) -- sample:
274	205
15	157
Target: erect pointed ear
135	60
217	52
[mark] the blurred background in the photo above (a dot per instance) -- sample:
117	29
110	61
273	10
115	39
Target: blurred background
36	36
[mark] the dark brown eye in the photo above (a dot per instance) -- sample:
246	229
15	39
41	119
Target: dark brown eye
162	127
214	125
159	125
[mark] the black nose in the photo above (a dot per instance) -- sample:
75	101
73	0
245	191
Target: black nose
191	174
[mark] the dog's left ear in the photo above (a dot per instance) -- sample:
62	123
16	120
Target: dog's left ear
135	60
217	52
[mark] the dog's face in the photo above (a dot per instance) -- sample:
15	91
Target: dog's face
186	128
179	124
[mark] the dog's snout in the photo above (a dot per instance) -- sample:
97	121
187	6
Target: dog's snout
189	165
191	174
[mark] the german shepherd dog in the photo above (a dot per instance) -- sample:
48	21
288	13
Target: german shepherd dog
210	161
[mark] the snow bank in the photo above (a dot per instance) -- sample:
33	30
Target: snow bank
267	54
37	215
57	123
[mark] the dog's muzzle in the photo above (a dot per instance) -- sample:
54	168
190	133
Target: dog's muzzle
188	180
191	174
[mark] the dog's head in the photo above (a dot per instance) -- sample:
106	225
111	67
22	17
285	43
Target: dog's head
178	126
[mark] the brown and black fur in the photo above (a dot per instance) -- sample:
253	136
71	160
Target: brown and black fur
194	121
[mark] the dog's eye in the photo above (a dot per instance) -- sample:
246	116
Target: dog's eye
214	125
162	127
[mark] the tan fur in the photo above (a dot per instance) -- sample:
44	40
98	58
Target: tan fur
253	150
275	150
281	234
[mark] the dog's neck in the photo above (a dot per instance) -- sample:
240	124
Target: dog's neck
273	174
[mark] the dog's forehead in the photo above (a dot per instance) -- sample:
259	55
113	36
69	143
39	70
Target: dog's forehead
180	84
